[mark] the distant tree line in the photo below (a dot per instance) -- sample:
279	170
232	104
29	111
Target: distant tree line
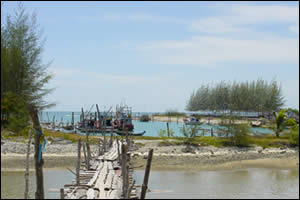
255	96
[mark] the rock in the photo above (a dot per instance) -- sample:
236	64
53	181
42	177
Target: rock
188	149
259	151
211	152
283	152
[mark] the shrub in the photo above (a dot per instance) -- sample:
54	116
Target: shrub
144	118
162	133
190	131
239	135
290	122
294	136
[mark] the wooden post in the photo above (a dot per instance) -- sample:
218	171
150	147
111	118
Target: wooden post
177	118
124	171
78	162
88	149
111	138
119	157
62	195
73	120
147	173
85	157
82	115
126	138
39	194
104	142
27	166
168	129
211	132
100	149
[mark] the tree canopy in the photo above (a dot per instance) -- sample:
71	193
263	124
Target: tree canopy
23	74
254	96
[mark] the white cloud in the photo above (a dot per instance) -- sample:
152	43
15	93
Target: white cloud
204	50
214	25
294	28
265	13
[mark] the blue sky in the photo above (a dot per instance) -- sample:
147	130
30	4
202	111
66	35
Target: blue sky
152	55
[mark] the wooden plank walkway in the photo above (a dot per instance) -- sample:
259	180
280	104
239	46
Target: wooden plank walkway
105	178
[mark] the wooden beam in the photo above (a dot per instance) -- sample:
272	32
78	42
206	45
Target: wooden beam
147	173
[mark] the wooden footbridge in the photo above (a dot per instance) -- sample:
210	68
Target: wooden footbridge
107	175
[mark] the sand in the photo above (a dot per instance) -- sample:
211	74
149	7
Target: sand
165	158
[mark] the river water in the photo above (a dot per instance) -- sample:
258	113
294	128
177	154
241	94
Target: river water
245	183
152	128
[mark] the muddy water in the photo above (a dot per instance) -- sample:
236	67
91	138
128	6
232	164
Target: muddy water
246	183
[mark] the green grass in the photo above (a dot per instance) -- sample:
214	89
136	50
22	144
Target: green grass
265	141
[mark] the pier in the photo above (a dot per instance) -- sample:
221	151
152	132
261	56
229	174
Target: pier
107	174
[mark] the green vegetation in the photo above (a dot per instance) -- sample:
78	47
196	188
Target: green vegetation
163	133
23	75
280	119
189	132
290	122
239	135
258	96
170	113
145	118
294	136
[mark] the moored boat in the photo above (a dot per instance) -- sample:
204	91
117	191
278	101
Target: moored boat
124	133
192	121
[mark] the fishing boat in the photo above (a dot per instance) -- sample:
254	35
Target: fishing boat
123	120
124	133
192	121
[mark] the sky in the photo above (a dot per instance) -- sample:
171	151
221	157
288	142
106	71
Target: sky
153	55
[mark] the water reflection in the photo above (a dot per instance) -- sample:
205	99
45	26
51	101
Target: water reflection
246	183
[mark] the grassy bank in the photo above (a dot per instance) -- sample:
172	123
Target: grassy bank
265	141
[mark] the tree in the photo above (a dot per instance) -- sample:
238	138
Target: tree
24	76
259	96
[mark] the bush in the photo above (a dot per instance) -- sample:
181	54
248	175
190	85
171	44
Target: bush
294	136
239	135
174	112
290	122
144	118
163	133
190	131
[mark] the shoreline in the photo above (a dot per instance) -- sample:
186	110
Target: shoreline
160	163
174	157
207	120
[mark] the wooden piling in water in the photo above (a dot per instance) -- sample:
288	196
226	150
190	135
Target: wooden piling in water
73	120
85	156
168	129
27	166
124	171
62	193
88	149
38	156
78	162
147	173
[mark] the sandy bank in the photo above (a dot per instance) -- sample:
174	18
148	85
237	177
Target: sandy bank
172	157
212	120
